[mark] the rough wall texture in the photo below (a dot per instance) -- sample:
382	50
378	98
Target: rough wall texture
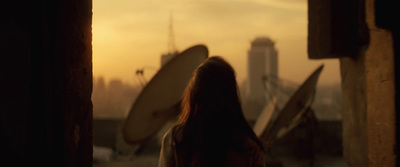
76	54
46	71
354	117
380	88
369	101
368	83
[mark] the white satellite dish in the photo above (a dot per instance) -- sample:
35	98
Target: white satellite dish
294	109
264	118
159	101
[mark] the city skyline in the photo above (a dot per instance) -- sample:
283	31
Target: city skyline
131	35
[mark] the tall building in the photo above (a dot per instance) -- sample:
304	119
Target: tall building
262	70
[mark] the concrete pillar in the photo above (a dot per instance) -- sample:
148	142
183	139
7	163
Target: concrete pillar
380	88
367	71
46	81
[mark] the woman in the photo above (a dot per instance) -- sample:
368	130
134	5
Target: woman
211	130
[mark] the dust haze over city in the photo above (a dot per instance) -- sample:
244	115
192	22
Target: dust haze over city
131	35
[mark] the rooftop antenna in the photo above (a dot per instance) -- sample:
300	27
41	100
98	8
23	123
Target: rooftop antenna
171	40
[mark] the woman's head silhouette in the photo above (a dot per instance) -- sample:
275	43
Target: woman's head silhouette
211	119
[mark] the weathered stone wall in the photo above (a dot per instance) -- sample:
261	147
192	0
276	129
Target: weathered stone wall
354	118
46	70
380	88
368	81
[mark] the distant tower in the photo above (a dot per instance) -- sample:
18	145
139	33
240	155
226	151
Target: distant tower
262	61
172	51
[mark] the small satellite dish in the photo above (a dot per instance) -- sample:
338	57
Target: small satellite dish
295	108
159	101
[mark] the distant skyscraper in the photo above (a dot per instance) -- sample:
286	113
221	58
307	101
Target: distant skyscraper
262	64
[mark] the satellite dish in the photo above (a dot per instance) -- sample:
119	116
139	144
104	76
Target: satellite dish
159	101
264	118
294	109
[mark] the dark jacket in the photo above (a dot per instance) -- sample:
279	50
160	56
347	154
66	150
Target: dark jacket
169	157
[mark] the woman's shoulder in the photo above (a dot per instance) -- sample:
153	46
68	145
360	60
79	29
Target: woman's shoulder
173	134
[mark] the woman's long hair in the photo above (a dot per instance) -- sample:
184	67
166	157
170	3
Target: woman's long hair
212	119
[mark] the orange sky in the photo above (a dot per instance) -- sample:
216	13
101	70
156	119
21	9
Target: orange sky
131	34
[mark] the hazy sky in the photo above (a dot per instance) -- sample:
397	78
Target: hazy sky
132	34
